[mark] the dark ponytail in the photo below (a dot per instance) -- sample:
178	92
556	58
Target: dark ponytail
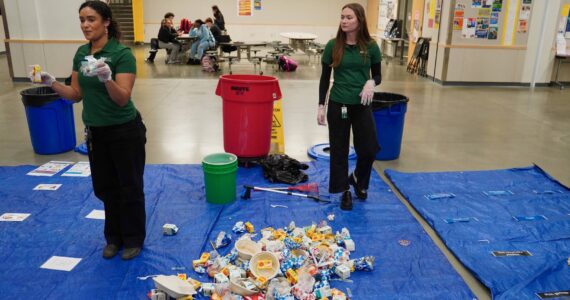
106	14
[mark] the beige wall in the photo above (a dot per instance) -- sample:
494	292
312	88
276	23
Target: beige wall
2	36
43	32
320	17
531	59
564	75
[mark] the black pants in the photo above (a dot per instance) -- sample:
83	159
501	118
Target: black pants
361	120
117	160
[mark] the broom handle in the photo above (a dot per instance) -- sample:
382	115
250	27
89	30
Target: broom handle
290	193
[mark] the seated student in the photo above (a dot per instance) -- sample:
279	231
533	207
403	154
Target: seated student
216	31
205	40
170	16
167	40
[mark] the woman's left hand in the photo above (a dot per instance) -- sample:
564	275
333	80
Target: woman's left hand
104	72
367	92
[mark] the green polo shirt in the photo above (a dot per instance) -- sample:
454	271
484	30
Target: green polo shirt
98	107
353	71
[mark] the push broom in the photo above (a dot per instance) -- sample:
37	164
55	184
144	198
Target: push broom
311	188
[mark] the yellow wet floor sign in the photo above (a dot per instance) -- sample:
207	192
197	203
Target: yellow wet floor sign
277	139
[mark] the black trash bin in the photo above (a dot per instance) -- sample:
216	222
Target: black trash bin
389	113
50	120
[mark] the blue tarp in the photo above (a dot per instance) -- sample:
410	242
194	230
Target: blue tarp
478	212
175	194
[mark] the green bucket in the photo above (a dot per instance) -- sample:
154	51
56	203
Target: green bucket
220	177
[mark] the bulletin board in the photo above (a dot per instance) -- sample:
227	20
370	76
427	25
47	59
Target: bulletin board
491	22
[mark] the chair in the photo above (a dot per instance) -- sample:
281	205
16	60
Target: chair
228	49
315	49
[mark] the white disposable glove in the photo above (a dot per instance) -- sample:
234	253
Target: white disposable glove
367	92
321	116
103	72
47	78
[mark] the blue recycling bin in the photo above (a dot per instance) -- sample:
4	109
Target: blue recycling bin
389	114
50	120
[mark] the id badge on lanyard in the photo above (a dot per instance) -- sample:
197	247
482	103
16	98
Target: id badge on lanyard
343	112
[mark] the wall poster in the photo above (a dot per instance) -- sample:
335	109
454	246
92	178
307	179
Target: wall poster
524	16
469	26
244	8
458	16
257	4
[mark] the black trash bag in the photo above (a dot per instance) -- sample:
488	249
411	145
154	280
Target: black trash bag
284	169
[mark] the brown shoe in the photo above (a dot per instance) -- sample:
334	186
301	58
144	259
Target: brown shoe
130	253
110	251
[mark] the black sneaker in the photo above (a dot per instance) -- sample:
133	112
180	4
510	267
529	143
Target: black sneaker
346	201
130	253
360	193
110	251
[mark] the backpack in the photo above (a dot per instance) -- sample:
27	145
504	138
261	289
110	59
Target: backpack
287	64
185	25
209	64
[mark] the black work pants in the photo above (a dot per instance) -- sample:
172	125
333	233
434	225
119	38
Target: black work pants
117	160
360	118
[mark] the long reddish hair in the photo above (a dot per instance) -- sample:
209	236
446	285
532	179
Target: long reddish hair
363	37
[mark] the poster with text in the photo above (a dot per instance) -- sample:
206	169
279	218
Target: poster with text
437	19
244	8
257	4
482	29
469	25
476	3
457	23
525	12
458	16
493	33
484	13
486	3
497	5
523	26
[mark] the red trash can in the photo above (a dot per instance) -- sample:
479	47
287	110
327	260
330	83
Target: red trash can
248	113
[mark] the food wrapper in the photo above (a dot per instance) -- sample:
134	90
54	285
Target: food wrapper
239	227
223	240
169	229
290	244
365	263
89	65
36	74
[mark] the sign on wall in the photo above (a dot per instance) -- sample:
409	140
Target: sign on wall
244	8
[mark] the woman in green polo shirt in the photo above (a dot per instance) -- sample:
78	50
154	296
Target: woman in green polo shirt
355	58
116	136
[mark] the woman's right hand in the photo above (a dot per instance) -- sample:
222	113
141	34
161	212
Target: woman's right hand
47	78
321	116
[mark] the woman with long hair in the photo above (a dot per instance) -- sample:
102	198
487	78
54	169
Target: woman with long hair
355	58
115	133
218	18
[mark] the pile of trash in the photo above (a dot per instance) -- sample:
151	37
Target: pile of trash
284	264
